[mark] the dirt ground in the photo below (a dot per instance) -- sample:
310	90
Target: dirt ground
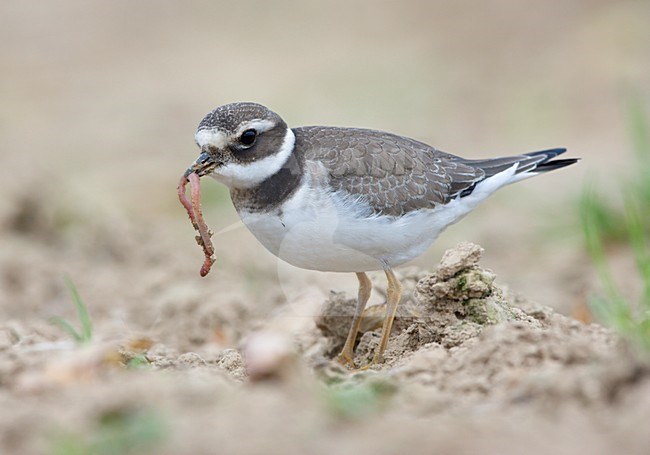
99	105
470	368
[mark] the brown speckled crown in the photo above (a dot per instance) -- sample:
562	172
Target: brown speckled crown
229	116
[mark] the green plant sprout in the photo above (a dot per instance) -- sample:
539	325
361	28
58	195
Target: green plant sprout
614	308
639	130
639	127
137	361
604	213
602	224
353	401
86	334
116	433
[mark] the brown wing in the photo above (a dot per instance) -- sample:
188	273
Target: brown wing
394	174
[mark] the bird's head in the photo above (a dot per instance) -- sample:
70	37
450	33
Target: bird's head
242	144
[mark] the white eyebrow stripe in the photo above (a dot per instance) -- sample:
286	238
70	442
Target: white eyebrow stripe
260	125
220	139
214	137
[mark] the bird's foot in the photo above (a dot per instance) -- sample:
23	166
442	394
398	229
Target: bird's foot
346	359
377	359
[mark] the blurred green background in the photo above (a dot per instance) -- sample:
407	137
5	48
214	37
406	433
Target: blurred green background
100	99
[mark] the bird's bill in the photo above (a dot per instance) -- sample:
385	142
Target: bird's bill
203	165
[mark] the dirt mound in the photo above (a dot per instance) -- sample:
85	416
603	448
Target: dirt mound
448	308
469	343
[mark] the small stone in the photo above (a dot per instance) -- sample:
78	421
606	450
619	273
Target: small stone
231	361
268	355
190	360
465	256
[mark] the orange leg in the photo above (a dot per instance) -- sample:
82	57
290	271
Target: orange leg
365	286
393	295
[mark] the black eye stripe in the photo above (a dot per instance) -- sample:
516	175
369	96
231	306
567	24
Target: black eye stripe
248	137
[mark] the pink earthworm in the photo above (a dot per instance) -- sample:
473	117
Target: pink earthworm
193	209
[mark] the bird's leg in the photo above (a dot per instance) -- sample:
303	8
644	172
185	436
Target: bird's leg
393	295
347	354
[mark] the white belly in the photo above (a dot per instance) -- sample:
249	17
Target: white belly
327	237
320	230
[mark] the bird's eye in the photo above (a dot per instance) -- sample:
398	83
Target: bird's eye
248	137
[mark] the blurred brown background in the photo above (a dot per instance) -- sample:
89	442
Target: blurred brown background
100	99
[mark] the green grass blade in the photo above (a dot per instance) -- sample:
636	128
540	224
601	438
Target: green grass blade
86	333
613	309
639	130
82	311
593	238
639	126
640	248
599	223
67	327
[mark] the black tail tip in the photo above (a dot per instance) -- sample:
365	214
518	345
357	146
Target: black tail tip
556	164
549	154
548	163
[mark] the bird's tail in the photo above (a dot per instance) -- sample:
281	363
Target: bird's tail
529	163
